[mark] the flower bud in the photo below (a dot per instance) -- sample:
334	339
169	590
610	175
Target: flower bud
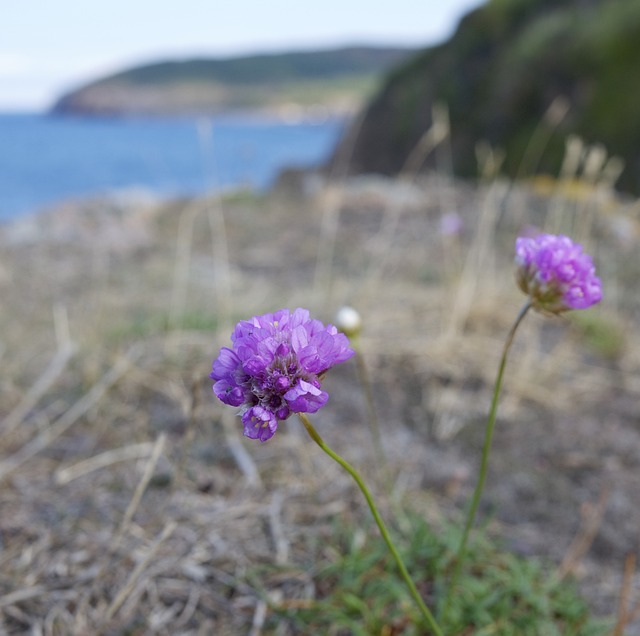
348	321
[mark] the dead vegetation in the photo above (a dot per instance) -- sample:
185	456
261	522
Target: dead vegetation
129	502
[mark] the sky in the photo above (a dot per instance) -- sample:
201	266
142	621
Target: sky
48	47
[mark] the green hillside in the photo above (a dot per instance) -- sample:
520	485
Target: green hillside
339	79
507	63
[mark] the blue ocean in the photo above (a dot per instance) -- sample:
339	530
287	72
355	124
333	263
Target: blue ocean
45	159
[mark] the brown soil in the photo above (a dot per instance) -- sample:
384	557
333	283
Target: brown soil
112	312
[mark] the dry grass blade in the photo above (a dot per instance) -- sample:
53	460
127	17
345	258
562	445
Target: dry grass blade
331	214
134	451
181	266
435	135
158	447
135	575
259	617
275	524
624	616
39	388
583	540
69	418
21	595
221	262
240	455
476	268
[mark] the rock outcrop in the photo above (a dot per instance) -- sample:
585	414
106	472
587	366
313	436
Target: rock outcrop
520	75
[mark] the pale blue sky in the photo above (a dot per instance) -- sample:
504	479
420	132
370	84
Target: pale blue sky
49	46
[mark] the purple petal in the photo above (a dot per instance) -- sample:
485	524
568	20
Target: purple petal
228	393
255	365
305	398
299	317
225	364
299	338
259	423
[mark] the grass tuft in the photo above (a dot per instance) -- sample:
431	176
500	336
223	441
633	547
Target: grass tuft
499	592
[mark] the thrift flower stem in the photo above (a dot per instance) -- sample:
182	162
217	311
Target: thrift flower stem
372	417
427	615
475	502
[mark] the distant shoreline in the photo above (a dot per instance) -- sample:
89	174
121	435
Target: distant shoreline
291	85
291	114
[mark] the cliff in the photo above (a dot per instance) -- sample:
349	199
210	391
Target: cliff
521	75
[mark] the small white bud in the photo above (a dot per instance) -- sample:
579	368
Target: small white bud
348	321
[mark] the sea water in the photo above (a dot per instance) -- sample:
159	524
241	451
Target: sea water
45	159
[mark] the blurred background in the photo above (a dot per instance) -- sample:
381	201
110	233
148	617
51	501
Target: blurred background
127	97
169	169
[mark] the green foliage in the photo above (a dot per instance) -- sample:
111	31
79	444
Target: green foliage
146	325
499	73
601	333
267	69
360	594
316	91
345	77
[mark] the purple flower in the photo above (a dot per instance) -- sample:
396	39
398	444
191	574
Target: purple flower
556	274
275	366
451	224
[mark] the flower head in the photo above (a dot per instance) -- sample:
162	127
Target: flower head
451	224
556	274
275	366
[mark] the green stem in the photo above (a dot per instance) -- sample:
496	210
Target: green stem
427	615
475	502
372	418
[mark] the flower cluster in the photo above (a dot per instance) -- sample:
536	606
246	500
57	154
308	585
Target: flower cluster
556	274
275	366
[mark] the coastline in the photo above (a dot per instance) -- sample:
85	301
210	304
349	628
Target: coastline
167	157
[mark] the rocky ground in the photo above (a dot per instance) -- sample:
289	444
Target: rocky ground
130	502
